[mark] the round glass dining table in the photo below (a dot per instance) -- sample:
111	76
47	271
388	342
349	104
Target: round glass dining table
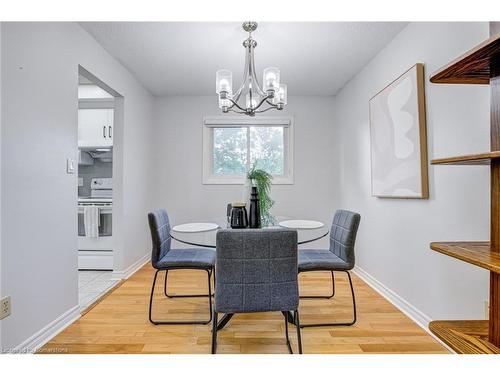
208	238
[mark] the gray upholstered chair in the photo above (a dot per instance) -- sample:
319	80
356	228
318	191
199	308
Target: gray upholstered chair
163	258
339	257
256	271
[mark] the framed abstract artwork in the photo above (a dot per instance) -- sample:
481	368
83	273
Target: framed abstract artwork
398	138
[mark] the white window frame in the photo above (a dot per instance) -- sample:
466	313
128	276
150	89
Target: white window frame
209	123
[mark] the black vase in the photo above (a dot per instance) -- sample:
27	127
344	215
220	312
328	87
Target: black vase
254	219
239	219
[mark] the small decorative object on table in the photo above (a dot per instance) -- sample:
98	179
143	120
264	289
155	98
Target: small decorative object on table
239	217
262	181
195	227
301	224
254	219
228	214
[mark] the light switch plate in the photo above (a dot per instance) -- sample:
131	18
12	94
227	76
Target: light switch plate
80	181
70	166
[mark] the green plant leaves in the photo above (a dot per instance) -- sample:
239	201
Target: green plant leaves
262	180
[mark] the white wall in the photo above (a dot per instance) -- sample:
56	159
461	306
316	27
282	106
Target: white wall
39	131
394	235
39	71
1	295
178	161
92	92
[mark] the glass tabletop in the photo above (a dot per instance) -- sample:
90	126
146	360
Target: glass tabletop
208	238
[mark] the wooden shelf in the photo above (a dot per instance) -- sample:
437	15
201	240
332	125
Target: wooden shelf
473	67
481	65
477	253
464	336
473	159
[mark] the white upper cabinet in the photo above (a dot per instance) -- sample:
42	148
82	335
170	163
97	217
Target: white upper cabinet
95	127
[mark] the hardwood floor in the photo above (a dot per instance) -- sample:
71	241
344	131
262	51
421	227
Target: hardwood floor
119	323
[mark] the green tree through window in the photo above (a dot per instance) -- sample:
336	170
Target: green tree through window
232	145
230	151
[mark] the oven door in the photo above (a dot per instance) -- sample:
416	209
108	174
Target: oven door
104	241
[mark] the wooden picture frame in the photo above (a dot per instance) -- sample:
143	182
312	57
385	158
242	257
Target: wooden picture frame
398	140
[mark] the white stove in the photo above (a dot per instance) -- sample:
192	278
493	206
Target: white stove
101	188
90	200
101	191
96	252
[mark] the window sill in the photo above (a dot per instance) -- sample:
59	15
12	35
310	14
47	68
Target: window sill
241	181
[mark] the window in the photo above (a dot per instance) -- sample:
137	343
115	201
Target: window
232	146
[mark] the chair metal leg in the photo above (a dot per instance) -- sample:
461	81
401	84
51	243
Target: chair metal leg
324	297
209	295
151	297
295	319
333	324
214	332
288	344
287	316
180	295
299	336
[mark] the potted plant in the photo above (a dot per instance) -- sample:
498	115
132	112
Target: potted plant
262	180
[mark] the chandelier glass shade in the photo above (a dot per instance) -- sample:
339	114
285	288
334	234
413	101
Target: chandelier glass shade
254	97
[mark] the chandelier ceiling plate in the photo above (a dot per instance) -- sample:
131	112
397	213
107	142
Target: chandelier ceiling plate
249	26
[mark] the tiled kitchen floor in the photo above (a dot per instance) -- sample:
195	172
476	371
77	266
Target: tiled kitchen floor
93	284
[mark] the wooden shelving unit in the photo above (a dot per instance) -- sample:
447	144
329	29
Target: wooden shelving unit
473	159
473	67
481	65
477	253
464	336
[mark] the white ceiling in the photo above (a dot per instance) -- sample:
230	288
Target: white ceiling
181	58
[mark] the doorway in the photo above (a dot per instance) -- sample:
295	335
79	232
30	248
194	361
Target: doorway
96	240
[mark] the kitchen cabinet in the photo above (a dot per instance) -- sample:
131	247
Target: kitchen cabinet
95	127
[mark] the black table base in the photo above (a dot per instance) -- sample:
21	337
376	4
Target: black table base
225	319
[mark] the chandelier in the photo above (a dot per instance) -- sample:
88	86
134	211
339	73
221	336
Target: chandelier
272	94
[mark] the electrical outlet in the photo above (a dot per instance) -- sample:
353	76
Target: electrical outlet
487	309
5	307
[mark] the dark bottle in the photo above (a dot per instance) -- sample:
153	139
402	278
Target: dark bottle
228	214
254	209
239	218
